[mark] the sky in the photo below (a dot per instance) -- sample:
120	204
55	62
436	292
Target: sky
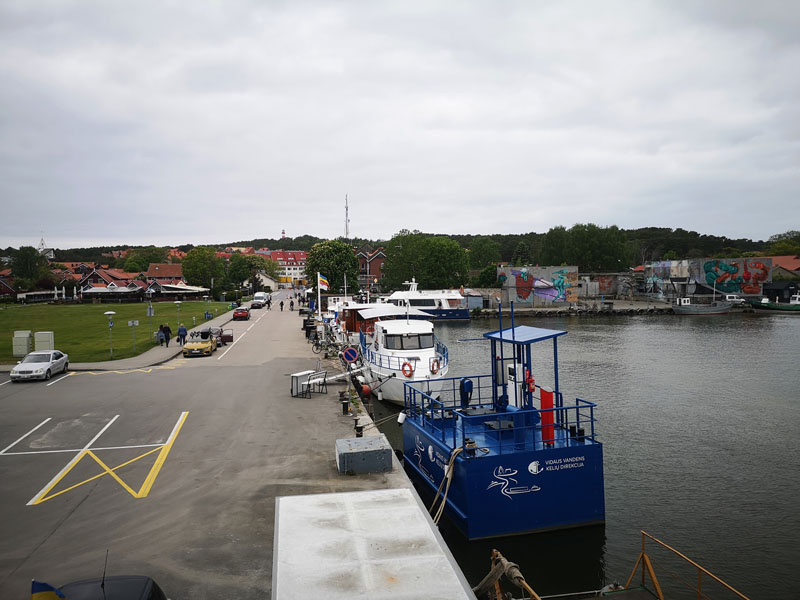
211	122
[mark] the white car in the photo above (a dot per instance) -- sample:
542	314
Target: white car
40	365
734	298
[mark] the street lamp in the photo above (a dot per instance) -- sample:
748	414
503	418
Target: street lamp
178	322
110	314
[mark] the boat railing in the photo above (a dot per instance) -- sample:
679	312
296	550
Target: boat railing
512	429
701	582
395	363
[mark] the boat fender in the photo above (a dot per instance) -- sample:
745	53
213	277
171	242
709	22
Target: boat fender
407	369
434	366
365	391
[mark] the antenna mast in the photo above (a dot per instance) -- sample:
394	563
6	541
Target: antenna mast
346	220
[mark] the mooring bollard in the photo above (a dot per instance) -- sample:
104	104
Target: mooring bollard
345	406
359	430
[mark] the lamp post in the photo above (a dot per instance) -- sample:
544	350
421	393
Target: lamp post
178	322
110	314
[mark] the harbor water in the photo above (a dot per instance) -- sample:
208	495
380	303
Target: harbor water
698	417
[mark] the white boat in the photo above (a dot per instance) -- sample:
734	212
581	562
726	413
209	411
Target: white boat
403	350
439	304
353	319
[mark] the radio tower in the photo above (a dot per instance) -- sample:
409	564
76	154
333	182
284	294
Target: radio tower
346	220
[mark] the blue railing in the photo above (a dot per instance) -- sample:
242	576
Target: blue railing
515	429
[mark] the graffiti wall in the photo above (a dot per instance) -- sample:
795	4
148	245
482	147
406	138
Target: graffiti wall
728	275
540	285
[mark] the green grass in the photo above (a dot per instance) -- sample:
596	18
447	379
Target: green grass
81	330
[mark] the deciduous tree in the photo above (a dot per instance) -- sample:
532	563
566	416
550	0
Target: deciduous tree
334	259
201	266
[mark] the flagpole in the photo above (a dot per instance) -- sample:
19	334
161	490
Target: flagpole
345	285
319	299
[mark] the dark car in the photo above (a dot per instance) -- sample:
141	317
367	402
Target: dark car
118	587
241	313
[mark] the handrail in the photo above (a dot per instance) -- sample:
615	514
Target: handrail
647	567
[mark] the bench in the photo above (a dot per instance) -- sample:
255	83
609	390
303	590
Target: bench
309	382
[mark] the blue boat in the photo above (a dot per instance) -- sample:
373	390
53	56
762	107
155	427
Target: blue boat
502	454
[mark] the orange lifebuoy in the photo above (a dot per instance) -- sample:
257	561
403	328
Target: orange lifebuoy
407	369
435	366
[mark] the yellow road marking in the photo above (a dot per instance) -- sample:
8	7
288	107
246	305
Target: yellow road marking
148	482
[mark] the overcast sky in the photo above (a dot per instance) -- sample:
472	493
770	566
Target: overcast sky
167	123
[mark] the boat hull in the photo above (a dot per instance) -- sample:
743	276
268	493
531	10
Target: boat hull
447	314
389	385
512	493
715	308
776	307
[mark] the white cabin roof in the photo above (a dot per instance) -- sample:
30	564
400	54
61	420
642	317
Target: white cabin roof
389	310
401	326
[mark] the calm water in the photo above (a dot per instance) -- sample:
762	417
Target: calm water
699	420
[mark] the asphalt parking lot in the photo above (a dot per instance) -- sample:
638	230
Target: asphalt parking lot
172	469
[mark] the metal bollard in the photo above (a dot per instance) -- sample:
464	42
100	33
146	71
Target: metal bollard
345	407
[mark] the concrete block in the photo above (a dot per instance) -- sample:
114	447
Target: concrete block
371	454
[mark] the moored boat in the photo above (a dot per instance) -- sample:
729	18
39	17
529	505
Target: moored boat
793	306
503	455
403	350
685	306
439	304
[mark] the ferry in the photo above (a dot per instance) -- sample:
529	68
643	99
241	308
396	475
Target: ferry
501	454
401	351
439	304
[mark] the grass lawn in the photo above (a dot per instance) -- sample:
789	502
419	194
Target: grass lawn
81	330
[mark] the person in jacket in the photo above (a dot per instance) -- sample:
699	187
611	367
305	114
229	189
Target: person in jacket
182	334
161	335
167	334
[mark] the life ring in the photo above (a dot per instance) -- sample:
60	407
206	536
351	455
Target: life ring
407	369
435	366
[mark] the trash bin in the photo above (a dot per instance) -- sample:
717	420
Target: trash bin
22	343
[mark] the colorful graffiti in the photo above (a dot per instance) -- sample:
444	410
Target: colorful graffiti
728	275
736	275
548	284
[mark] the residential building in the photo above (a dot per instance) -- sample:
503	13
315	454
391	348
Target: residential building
370	267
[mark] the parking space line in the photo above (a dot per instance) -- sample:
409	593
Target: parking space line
67	450
233	344
37	498
59	379
151	477
5	382
24	436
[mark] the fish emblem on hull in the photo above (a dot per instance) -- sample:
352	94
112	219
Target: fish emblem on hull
504	478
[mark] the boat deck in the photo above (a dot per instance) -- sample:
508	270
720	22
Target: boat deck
500	433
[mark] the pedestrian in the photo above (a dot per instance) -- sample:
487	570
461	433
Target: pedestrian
269	303
161	335
281	305
182	334
167	334
291	304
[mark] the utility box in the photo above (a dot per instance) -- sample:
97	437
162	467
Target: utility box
371	454
22	343
44	340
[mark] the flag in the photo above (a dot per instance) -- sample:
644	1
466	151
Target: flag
44	591
322	281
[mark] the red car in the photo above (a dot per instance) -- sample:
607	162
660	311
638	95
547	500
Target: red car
242	313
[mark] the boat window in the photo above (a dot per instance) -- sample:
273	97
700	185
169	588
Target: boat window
409	342
423	302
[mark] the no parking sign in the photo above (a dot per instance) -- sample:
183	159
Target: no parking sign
350	354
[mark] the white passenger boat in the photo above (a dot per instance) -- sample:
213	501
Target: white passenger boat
403	350
353	319
439	304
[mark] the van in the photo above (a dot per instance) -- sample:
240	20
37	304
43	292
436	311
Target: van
259	300
734	298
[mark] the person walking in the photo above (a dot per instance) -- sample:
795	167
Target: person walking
291	304
281	305
161	335
167	334
269	303
182	334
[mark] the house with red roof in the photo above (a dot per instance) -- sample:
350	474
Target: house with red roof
164	272
370	266
292	263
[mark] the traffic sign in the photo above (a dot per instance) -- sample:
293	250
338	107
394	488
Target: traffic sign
133	323
150	310
110	324
350	354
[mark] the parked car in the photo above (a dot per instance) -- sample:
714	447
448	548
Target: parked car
734	298
224	336
40	365
241	313
116	587
201	343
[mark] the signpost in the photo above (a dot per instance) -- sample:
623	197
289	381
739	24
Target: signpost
110	314
150	312
133	325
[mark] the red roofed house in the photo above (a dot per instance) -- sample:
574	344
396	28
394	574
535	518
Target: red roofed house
164	272
292	262
370	266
